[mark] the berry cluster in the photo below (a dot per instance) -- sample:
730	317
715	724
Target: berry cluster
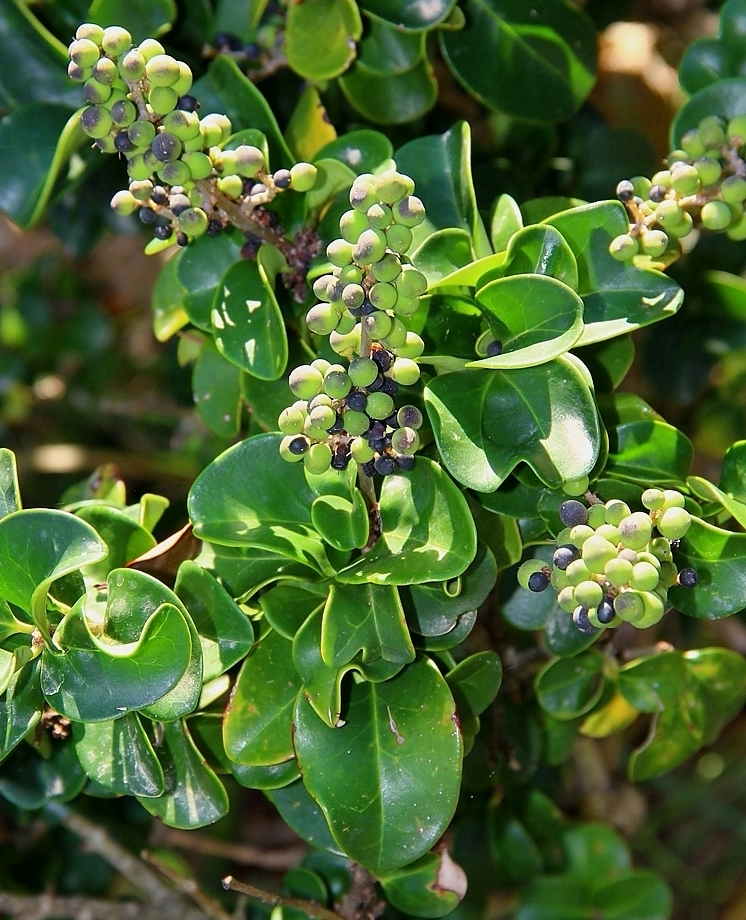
182	182
345	414
702	186
614	565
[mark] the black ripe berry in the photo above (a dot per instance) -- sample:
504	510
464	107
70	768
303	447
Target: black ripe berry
625	191
688	578
375	432
494	349
573	513
182	239
166	147
159	195
390	386
187	104
605	611
122	142
337	427
341	458
405	463
214	227
282	178
564	555
147	215
657	193
538	581
580	619
298	446
162	231
357	400
382	358
392	421
369	468
225	42
385	465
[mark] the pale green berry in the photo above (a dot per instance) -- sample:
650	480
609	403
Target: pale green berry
363	371
733	189
380	405
322	417
337	383
410	211
306	382
576	487
291	421
629	606
116	41
91	31
370	247
589	593
363	192
193	222
249	160
653	610
653	499
672	499
303	177
691	142
132	66
322	318
644	576
679	231
527	569
141	132
84	52
339	252
162	100
406	306
405	441
398	238
668	573
577	572
597	552
660	548
232	186
662	177
95	93
350	274
318	458
654	243
618	572
609	532
596	515
669	214
636	530
77	73
353	296
222	121
176	173
105	71
387	269
566	599
320	285
356	423
685	179
137	168
709	170
647	556
200	165
405	371
379	216
413	345
411	283
712	132
361	451
141	190
96	121
184	125
346	343
737	129
391	186
123	113
397	337
378	324
347	323
580	533
716	215
674	523
616	511
322	365
382	295
124	203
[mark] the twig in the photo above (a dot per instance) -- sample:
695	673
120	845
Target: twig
238	217
279	860
41	906
314	910
188	887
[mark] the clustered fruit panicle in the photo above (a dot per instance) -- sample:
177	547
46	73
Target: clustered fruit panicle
613	565
345	413
183	181
703	185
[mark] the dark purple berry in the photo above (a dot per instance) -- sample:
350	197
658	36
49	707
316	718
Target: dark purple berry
385	465
357	312
282	178
605	611
375	432
369	468
123	143
367	308
357	400
337	426
252	51
187	104
162	231
390	386
166	147
573	513
657	193
214	227
392	421
340	459
538	581
377	384
405	463
182	239
580	619
625	191
147	215
564	555
298	446
688	577
379	444
494	349
159	195
382	358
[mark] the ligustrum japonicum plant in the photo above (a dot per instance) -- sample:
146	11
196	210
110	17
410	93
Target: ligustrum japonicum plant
422	462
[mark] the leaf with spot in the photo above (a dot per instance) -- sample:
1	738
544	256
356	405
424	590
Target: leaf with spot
331	25
10	493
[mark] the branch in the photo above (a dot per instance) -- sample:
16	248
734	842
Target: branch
314	910
279	860
188	887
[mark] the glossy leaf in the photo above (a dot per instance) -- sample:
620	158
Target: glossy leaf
342	524
718	558
365	618
569	687
257	729
399	745
537	250
269	509
31	781
474	683
288	605
247	324
440	165
218	391
276	776
309	129
506	221
427	531
10	493
721	674
638	895
142	18
20	707
225	632
333	25
562	637
200	271
119	756
733	471
646	450
125	539
409	15
321	682
590	845
301	813
362	151
618	297
194	796
486	422
535	317
390	50
390	99
534	61
705	491
430	887
36	141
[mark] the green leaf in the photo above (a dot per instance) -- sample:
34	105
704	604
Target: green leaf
561	635
225	89
250	496
705	491
36	548
443	254
289	604
733	471
726	97
200	270
486	422
569	687
432	886
715	58
321	682
474	683
167	301
10	625
36	141
653	683
275	776
243	570
365	618
34	62
527	609
388	49
142	18
124	538
618	297
535	61
363	151
555	898
10	493
31	781
411	15
427	531
236	17
506	221
399	746
20	707
515	853
540	251
194	796
247	324
342	524
257	729
448	640
118	755
301	813
676	733
535	317
225	632
331	25
717	556
390	99
310	128
218	391
144	651
721	674
434	609
440	165
638	895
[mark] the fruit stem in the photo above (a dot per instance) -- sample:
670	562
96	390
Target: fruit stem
238	217
139	99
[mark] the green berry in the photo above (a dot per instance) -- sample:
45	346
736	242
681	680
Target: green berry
685	179
629	606
322	417
406	306
596	515
577	572
711	131
132	66
397	337
636	530
716	215
405	371
184	83
84	52
708	170
644	576
382	295
320	285
623	247
589	593
249	160
679	231
733	189
361	451
597	552
609	532
616	511
345	343
576	486
527	569
654	243
363	192
184	125
378	324
176	173
411	283
409	417
162	100
200	165
566	599
306	382
618	572
318	459
193	222
380	405
95	93
356	423
410	211
105	71
387	269
291	421
96	121
691	142
350	274
674	523
669	214
668	573
141	190
322	365
737	130
580	533
303	177
322	318
653	499
232	186
391	186
162	70
653	610
405	441
672	499
124	203
370	247
363	371
141	132
353	296
413	345
398	238
647	556
339	252
337	383
379	216
91	31
662	177
123	113
77	73
137	168
116	41
660	548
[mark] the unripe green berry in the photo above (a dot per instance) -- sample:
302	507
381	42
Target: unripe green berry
662	177
350	274
405	441
576	487
580	533
391	186
397	337
249	160
77	73
596	515
398	238
105	71
339	252
733	189
361	451
291	421
200	165
382	295
616	511
345	343
322	365
212	135
184	83
232	186
320	285
91	31
597	552
132	66
618	572
709	170
84	52
306	382
609	532
370	247
378	324
380	405
303	177
405	372
356	423
184	125
691	142
176	173
589	593
96	121
644	576
566	599
654	243
623	247
654	608
387	269
363	371
322	417
716	215
674	523
352	224
322	318
123	113
318	459
337	383
669	214
137	168
737	129
647	556
406	306
162	100
668	573
363	192
116	41
193	222
629	606
685	179
413	345
711	131
672	499
679	231
353	296
124	203
577	572
410	211
95	93
162	70
660	548
379	216
411	283
636	530
141	132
